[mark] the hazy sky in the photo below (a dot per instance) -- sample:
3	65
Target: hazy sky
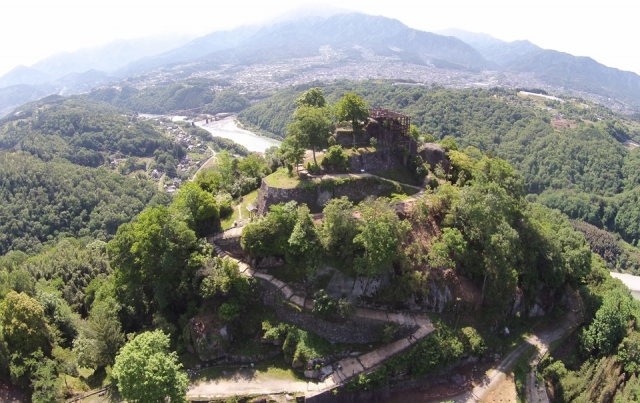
33	29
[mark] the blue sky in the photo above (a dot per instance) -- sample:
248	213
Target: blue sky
34	29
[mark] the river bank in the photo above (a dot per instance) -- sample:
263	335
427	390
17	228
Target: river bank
228	128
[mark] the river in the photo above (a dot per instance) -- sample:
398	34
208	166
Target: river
228	129
631	281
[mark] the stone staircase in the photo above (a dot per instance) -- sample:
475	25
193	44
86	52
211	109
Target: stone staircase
351	366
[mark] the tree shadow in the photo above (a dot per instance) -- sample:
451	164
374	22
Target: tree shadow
96	379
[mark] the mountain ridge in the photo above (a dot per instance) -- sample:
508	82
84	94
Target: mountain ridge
352	36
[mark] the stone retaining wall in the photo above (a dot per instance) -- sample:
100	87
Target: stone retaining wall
381	160
354	188
356	330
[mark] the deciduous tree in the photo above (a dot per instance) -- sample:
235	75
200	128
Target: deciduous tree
313	97
380	236
314	126
147	372
352	108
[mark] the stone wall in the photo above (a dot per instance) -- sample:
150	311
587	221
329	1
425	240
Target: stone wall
356	330
381	160
268	196
355	188
345	138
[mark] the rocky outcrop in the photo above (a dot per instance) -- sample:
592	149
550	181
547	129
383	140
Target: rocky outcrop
434	154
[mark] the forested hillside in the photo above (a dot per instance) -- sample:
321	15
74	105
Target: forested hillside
89	256
211	96
84	132
157	99
40	201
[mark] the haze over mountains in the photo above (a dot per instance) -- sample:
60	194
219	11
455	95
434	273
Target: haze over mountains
332	42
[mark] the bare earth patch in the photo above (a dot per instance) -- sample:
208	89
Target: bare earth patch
504	391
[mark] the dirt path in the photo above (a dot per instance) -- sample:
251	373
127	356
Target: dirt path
245	382
541	340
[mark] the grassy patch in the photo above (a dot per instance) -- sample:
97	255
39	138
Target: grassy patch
399	174
281	179
520	371
243	203
270	369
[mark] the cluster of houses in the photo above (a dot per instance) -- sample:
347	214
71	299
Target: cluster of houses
172	185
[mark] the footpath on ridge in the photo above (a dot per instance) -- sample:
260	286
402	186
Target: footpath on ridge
351	366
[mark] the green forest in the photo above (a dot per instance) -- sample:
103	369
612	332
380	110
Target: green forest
100	272
210	96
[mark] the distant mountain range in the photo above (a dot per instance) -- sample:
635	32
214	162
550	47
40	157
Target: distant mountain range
303	37
347	33
494	50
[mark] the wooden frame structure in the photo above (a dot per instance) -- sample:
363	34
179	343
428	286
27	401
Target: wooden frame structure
396	123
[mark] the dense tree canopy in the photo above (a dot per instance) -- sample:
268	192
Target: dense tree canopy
313	98
84	132
151	257
39	201
158	99
381	233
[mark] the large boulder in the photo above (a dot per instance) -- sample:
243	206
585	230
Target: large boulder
207	338
434	154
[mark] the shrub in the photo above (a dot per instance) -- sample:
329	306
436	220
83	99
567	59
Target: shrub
323	304
335	159
345	309
313	169
388	332
473	342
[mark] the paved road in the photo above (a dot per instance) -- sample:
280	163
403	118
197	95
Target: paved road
213	155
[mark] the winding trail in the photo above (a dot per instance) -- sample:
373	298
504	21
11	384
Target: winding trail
540	340
346	368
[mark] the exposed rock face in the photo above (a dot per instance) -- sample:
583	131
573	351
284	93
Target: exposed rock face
438	298
382	135
433	154
205	339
